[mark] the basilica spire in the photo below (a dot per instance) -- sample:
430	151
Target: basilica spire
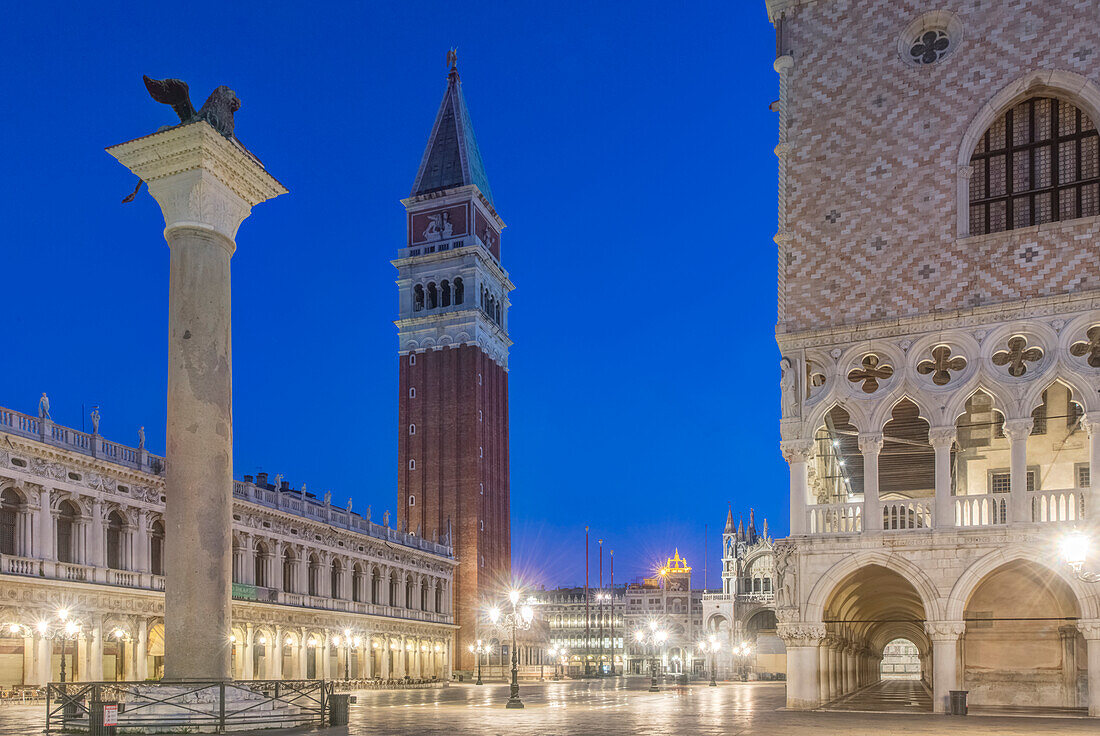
452	157
729	521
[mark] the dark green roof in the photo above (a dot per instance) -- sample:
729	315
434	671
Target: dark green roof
452	157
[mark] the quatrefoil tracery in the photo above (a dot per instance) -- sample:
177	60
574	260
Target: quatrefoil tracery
942	365
1089	349
1017	356
871	371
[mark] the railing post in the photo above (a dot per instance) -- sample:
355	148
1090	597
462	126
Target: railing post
221	707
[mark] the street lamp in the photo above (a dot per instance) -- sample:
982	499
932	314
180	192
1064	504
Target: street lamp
519	618
712	645
347	640
743	650
479	650
1075	548
652	641
68	629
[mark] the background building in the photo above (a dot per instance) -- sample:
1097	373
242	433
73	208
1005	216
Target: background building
453	345
744	611
318	591
939	322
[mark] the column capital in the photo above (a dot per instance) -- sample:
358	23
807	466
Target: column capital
1091	423
944	631
941	436
1018	429
783	63
200	178
1089	628
870	443
801	634
796	451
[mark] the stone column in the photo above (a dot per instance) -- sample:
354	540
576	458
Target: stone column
833	673
945	641
1068	636
95	650
850	678
1017	431
823	669
1090	629
803	661
943	439
248	665
870	444
44	659
275	669
206	185
142	649
303	658
97	541
141	543
797	453
1091	423
44	549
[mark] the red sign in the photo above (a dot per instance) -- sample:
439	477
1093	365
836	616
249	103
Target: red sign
110	715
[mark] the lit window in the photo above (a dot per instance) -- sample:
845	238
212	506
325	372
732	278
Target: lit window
1084	478
412	500
483	525
412	359
412	465
412	393
481	452
412	429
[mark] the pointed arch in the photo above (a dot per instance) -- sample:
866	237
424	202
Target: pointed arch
827	583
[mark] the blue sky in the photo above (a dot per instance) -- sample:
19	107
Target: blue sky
629	147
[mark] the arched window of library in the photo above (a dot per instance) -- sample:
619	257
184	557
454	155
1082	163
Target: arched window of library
1038	162
10	503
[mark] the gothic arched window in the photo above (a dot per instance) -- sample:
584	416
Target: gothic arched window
288	571
459	291
337	574
433	296
445	289
418	298
1038	162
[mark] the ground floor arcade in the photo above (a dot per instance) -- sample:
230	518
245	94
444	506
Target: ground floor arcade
98	633
997	614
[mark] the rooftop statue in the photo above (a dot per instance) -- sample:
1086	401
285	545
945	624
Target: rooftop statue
217	110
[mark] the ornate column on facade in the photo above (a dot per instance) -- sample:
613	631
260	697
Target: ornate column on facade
44	546
870	444
942	440
803	662
1017	431
1091	423
142	648
797	453
248	665
1068	638
97	542
945	650
1090	629
824	664
206	184
275	669
95	649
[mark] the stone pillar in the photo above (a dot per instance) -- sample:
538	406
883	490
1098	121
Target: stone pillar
248	665
1092	426
97	540
1068	636
823	669
95	650
386	655
142	649
870	444
945	641
797	453
206	185
834	674
1017	431
803	661
275	669
44	660
1090	629
943	439
45	547
141	543
850	677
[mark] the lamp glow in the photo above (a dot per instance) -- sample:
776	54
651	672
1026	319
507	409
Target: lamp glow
1075	548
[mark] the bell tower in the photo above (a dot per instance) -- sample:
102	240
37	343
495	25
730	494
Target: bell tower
453	472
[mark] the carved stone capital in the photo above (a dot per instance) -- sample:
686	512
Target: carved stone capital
797	451
870	443
965	172
199	178
1089	628
944	631
801	634
1018	429
1091	423
783	63
942	436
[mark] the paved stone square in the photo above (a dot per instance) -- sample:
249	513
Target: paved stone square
611	708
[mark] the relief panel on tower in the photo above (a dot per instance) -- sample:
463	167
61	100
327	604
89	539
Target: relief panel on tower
439	224
488	234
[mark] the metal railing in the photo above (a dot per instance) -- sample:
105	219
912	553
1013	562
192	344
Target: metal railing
193	706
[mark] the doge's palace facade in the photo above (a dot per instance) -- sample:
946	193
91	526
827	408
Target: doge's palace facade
939	322
319	591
